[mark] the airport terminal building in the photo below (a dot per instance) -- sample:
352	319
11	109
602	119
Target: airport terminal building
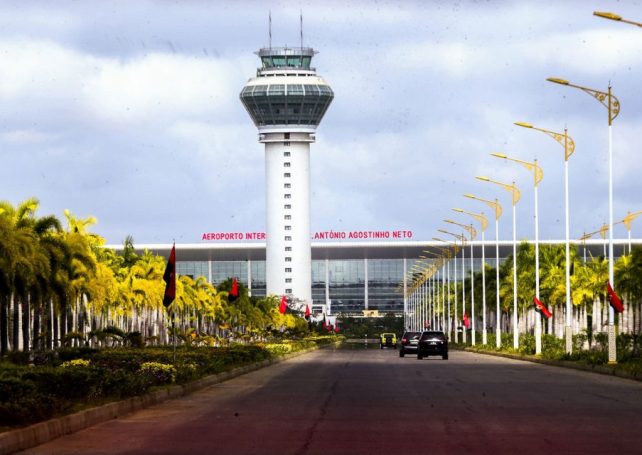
349	276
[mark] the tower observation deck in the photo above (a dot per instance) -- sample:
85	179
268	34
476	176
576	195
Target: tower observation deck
287	100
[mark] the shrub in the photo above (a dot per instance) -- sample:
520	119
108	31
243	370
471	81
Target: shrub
122	384
157	373
64	383
553	347
135	339
18	357
580	340
527	344
73	353
186	372
75	363
602	340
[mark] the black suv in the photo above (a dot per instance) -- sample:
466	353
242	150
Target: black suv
432	342
409	342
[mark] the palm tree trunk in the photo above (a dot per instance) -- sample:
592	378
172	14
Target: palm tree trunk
26	324
63	322
550	321
37	317
55	332
4	325
15	323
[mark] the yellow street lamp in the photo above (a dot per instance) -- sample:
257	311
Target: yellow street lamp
498	212
612	104
538	175
569	147
628	219
583	239
484	224
515	194
615	17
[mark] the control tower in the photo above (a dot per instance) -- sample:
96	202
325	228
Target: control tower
287	100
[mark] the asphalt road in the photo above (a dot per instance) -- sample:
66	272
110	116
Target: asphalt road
356	401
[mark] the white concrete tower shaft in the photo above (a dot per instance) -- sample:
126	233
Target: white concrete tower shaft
286	101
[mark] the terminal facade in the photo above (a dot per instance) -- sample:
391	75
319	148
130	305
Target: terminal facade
348	277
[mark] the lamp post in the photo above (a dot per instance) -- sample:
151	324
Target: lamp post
484	224
447	287
473	233
612	104
604	230
569	147
463	292
434	294
628	219
615	17
498	212
538	174
515	195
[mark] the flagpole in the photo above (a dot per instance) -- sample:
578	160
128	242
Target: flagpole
173	310
174	332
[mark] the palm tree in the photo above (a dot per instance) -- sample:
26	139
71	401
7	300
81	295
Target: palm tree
18	251
553	282
636	295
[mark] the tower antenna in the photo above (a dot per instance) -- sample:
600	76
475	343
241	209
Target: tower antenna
270	27
301	26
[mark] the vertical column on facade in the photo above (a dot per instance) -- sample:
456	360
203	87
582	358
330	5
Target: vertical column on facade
420	294
424	303
365	289
405	290
249	277
432	301
209	271
327	282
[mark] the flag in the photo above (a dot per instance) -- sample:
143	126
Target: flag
336	329
466	321
307	312
539	306
234	292
169	277
323	324
614	300
284	305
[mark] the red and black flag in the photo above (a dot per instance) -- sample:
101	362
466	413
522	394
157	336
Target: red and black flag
284	305
539	306
614	300
466	321
170	278
307	312
234	292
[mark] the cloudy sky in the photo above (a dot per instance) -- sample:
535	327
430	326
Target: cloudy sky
129	111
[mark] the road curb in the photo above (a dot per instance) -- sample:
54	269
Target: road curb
600	369
40	433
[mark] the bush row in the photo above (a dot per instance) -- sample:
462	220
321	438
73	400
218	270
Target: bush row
554	348
66	380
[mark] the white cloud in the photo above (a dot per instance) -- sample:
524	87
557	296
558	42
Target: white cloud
19	137
158	86
150	89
